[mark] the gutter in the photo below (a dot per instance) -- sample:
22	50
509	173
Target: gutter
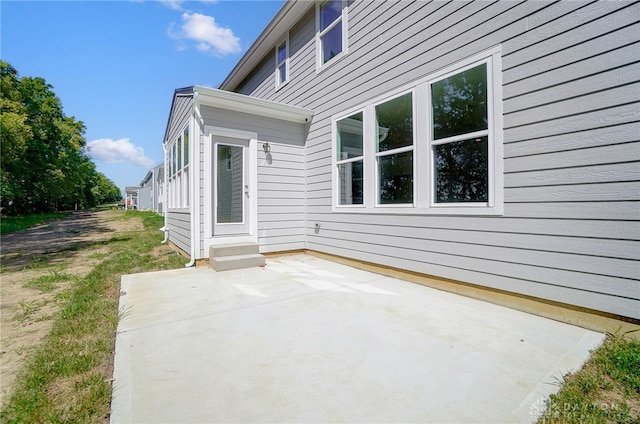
166	190
195	113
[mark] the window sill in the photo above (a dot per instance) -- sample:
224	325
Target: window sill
330	63
281	85
463	210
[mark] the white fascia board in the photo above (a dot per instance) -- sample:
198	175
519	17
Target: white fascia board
289	15
252	105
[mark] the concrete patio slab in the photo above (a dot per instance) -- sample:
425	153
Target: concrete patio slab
308	340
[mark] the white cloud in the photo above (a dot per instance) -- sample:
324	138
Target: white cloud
207	34
118	151
177	4
173	4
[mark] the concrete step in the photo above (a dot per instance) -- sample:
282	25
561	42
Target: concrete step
233	250
226	263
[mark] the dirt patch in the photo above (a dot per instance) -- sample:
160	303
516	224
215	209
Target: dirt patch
37	266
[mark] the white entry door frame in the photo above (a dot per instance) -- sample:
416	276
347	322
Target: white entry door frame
231	168
231	186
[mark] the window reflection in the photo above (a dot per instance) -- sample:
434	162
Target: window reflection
350	137
461	171
395	175
332	43
329	12
460	103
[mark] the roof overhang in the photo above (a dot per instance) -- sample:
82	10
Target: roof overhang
251	105
287	16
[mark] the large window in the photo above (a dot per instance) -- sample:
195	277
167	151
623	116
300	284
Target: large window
432	147
331	30
460	137
282	63
179	171
394	152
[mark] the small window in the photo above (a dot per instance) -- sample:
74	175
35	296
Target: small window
185	140
173	159
460	137
394	133
282	63
350	160
331	30
179	144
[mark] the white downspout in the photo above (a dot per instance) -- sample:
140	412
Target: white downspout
165	195
194	141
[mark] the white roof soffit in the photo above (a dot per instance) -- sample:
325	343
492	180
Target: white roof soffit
252	105
286	17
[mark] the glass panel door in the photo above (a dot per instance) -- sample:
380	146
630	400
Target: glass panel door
230	184
231	188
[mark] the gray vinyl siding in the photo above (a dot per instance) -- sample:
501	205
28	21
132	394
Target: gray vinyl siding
570	230
281	177
144	198
179	117
179	221
281	198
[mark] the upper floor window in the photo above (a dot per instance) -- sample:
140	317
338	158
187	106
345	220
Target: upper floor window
331	30
282	63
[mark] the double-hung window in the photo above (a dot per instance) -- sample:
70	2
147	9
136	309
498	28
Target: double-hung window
433	147
394	150
331	31
350	160
282	64
460	137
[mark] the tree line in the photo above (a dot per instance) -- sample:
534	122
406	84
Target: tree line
43	159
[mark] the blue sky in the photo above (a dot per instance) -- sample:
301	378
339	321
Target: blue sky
115	64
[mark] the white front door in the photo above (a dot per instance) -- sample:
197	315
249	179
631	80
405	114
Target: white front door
232	191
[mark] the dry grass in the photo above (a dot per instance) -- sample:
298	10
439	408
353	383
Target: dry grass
67	378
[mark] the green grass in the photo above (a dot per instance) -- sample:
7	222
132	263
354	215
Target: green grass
49	282
11	224
605	390
67	379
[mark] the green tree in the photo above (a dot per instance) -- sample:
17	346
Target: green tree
14	134
105	191
44	164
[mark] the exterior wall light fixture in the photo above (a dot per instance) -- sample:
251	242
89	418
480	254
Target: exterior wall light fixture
266	147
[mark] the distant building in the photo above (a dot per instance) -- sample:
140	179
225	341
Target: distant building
131	200
151	192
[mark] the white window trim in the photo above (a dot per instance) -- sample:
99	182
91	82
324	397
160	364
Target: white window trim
179	196
345	37
411	148
424	202
280	84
